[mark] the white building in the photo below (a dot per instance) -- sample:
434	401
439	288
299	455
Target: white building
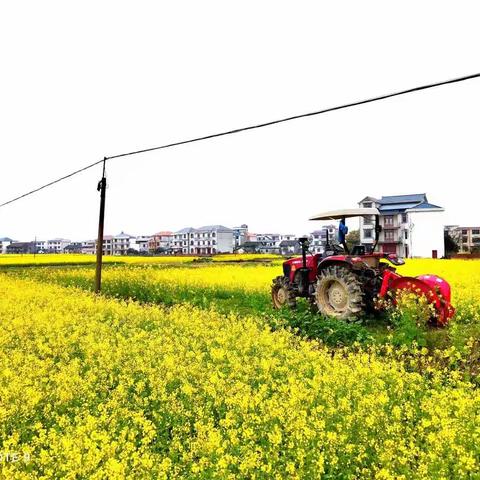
206	240
121	243
411	226
140	243
57	245
183	241
319	238
4	243
88	247
107	245
239	235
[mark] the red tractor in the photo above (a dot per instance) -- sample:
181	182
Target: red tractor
345	284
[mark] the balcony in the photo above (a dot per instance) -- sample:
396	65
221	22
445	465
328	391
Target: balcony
391	227
398	241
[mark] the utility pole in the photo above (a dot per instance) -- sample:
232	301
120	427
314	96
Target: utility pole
101	187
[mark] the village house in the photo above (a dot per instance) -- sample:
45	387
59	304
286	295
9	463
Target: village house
161	241
411	226
4	243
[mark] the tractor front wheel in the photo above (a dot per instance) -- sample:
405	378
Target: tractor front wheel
283	294
339	293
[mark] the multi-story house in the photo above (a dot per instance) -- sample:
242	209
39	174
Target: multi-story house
161	240
21	247
121	243
88	247
239	235
107	245
268	243
74	247
183	241
140	243
56	245
320	238
469	239
41	246
211	239
289	247
411	226
4	243
206	240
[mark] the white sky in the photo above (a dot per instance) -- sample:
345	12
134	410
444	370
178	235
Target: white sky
83	80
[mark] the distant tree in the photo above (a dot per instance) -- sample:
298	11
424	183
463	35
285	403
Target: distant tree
160	250
132	251
353	238
451	246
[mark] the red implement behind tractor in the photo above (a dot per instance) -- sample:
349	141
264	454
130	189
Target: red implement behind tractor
346	284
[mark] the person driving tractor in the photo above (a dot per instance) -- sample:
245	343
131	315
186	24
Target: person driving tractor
342	234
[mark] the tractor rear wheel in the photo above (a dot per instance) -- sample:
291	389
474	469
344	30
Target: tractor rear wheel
283	294
339	293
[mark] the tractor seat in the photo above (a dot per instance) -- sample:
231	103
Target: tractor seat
358	250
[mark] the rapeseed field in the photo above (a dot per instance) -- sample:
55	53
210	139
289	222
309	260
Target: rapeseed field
93	387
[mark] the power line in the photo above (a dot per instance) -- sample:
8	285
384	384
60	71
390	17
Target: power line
295	117
51	183
252	127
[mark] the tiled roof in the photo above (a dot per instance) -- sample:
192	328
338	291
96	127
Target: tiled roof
397	206
425	205
411	198
187	230
369	199
215	227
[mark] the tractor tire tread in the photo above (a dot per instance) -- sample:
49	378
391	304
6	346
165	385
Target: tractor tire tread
283	282
352	285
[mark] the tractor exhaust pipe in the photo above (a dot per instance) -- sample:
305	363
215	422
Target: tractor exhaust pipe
303	288
303	241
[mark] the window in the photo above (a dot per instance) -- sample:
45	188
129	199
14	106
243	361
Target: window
388	220
476	232
367	233
368	220
464	239
464	232
367	204
213	234
389	236
406	234
404	218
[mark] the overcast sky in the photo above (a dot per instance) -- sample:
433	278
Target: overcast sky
80	81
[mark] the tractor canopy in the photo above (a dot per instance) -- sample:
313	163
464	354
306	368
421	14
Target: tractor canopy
349	213
346	213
